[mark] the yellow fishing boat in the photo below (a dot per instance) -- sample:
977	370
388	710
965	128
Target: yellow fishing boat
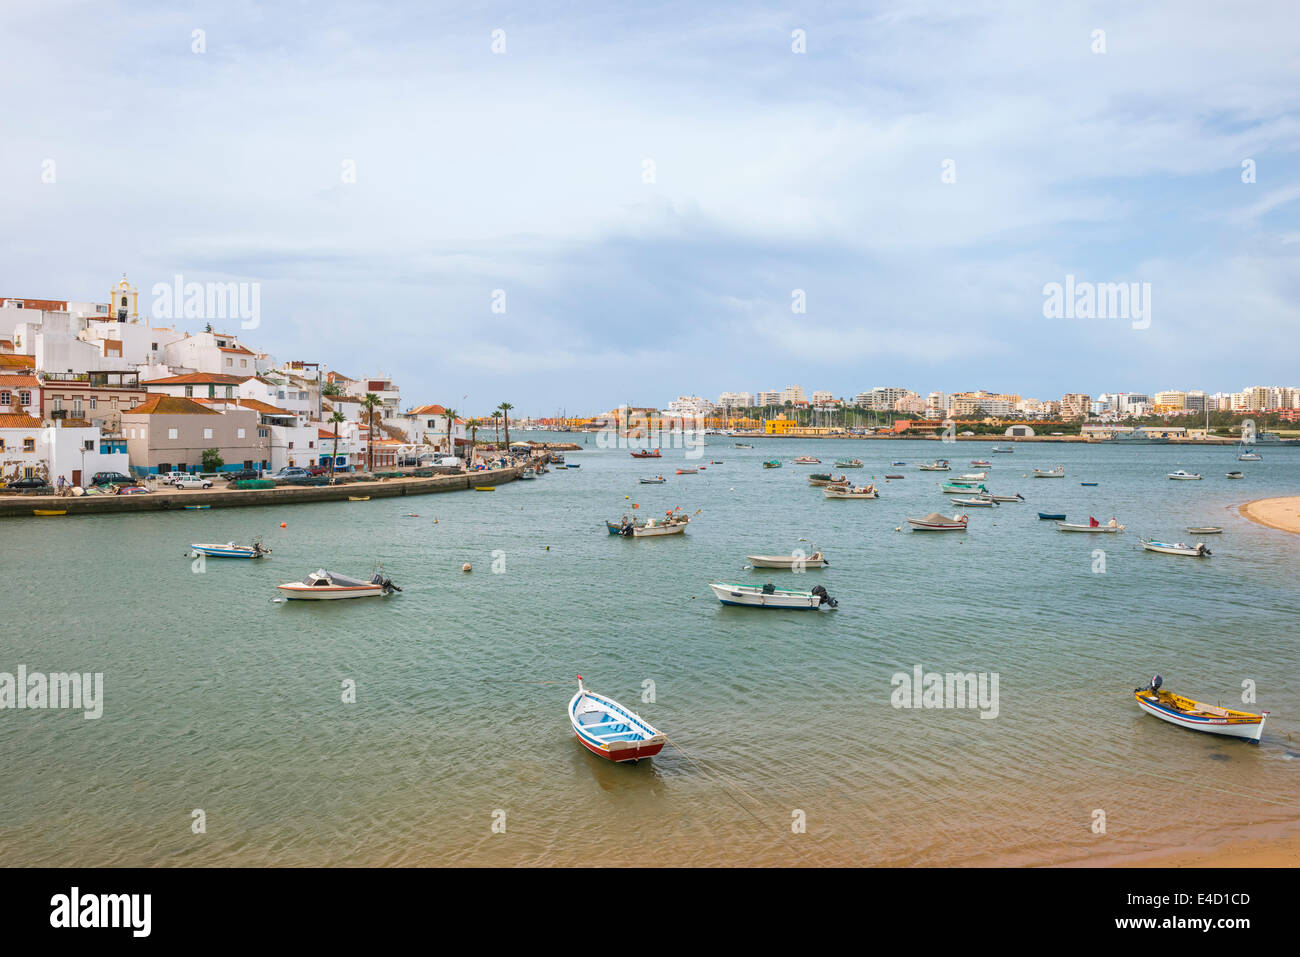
1197	715
49	511
358	498
484	488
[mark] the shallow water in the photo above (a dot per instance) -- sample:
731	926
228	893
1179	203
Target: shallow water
218	698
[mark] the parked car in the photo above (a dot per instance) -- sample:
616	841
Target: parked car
318	470
241	475
27	484
450	461
193	481
111	478
169	478
290	471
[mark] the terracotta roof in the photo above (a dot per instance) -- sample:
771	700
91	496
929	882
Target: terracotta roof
159	404
19	381
256	405
239	349
49	305
7	342
428	410
323	434
200	378
18	361
10	421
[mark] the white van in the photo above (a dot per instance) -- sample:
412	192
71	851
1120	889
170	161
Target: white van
450	461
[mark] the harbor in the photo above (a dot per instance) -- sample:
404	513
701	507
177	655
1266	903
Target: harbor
232	701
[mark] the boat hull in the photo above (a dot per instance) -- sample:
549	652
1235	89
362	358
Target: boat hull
330	592
786	562
748	597
645	742
1247	730
225	551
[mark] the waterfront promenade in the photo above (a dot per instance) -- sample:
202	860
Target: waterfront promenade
24	505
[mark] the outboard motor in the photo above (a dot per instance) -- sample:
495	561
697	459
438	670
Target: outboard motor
826	599
1154	686
769	589
385	583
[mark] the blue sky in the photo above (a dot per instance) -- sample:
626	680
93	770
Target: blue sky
774	171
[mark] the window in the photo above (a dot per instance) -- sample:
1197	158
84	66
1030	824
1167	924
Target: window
230	392
189	390
115	402
155	346
212	391
6	399
29	445
94	403
290	445
25	397
239	434
88	445
124	300
243	363
263	433
57	404
171	433
134	402
77	410
207	433
229	361
2	445
311	445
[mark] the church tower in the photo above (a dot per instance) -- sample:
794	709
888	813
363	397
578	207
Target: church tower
124	302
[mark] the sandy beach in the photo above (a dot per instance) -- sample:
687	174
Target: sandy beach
1279	513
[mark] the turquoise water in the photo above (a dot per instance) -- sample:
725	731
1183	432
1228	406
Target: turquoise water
219	698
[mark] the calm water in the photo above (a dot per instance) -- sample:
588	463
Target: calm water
218	698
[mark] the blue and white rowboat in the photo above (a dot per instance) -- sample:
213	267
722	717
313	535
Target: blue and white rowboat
606	728
231	550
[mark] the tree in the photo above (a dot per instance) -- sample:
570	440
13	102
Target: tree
505	408
330	388
336	418
451	421
472	425
212	460
370	403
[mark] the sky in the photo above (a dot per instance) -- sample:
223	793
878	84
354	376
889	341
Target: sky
627	202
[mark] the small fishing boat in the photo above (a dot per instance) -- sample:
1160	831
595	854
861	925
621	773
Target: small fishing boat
1112	527
230	550
1088	484
972	477
1058	472
1192	551
1051	516
1182	476
1206	530
688	471
938	465
820	479
975	502
853	463
769	596
1236	475
646	454
789	562
807	460
573	465
851	491
674	523
743	445
1249	457
1198	716
321	585
934	522
527	475
606	728
1004	498
961	488
484	488
715	462
49	511
895	476
981	463
557	458
657	480
891	464
358	498
998	448
772	464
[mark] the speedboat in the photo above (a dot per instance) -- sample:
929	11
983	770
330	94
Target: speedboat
1192	551
892	464
789	562
231	550
321	585
769	596
606	728
1236	475
1181	476
934	522
1198	716
981	463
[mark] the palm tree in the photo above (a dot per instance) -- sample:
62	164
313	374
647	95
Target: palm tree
370	403
336	418
451	419
496	425
505	414
472	425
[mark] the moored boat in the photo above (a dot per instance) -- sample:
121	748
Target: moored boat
688	471
527	475
961	488
49	511
769	596
1198	716
1250	457
1058	472
998	448
1051	516
1112	527
1236	475
646	454
743	445
934	522
657	480
1206	530
1182	476
1004	498
230	550
789	562
976	502
606	728
820	479
324	585
772	464
895	464
981	463
972	477
807	460
851	491
938	465
848	463
1192	551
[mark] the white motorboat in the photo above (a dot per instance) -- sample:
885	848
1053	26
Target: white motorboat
1058	472
769	596
973	477
322	585
789	562
1236	475
1249	457
1003	498
1181	476
231	550
934	522
1192	551
1112	527
976	502
823	479
1206	530
851	491
938	465
998	448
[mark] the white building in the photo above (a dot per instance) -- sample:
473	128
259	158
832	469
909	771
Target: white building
735	400
30	450
689	406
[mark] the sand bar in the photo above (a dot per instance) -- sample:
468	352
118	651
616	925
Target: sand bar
1279	513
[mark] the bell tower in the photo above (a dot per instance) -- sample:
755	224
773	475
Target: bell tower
124	302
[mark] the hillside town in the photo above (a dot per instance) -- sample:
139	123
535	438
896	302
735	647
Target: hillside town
97	389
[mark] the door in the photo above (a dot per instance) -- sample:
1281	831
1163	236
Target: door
76	476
